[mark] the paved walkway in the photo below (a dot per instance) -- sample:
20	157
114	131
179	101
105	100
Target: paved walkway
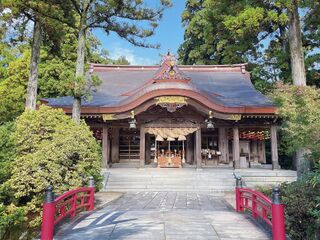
164	215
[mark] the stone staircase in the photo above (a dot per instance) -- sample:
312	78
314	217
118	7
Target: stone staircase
181	180
206	180
260	177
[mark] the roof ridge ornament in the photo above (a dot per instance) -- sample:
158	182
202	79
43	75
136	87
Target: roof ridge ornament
169	69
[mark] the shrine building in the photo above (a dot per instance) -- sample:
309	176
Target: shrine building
173	115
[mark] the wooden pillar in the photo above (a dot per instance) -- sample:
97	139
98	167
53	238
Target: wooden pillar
255	151
236	147
223	144
274	147
190	155
142	146
198	148
115	145
262	146
227	145
148	148
105	147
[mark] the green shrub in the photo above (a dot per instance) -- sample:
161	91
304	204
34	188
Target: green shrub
7	151
299	109
302	202
51	150
11	219
300	199
11	216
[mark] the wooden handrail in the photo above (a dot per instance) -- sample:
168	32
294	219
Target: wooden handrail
68	204
272	212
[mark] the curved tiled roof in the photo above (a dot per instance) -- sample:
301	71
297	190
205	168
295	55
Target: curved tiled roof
228	86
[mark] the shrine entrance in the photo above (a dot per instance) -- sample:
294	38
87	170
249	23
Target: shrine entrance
169	145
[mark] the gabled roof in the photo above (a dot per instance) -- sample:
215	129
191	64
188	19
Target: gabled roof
225	88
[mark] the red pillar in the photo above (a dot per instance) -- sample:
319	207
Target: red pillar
47	226
254	205
238	194
278	226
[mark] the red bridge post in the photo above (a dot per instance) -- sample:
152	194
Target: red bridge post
47	226
278	226
238	196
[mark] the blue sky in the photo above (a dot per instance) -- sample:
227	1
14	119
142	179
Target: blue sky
169	35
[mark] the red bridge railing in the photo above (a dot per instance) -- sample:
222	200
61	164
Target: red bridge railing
67	205
272	212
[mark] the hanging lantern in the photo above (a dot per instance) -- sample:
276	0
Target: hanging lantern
133	124
209	120
210	124
133	121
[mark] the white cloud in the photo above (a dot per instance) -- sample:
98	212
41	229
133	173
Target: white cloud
118	51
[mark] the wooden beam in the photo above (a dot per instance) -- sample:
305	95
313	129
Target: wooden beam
274	147
105	147
236	147
198	148
142	146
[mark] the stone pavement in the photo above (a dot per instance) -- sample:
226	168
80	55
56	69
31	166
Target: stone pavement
164	215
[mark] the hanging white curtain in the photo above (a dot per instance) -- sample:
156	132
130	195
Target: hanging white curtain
170	132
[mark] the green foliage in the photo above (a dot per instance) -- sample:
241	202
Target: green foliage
299	109
56	71
217	32
13	82
300	199
51	150
11	218
302	207
130	20
7	151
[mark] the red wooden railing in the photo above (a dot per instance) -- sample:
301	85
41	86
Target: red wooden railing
66	205
272	212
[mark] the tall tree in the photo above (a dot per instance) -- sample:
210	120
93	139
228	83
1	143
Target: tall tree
251	31
44	15
34	66
56	69
295	42
121	17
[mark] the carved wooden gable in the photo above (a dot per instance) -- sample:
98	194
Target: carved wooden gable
169	70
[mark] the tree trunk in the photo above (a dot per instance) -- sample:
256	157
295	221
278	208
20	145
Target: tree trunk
76	109
301	163
31	99
298	75
296	51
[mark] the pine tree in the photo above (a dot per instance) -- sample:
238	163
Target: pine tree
121	17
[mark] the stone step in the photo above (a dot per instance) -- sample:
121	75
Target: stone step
189	179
